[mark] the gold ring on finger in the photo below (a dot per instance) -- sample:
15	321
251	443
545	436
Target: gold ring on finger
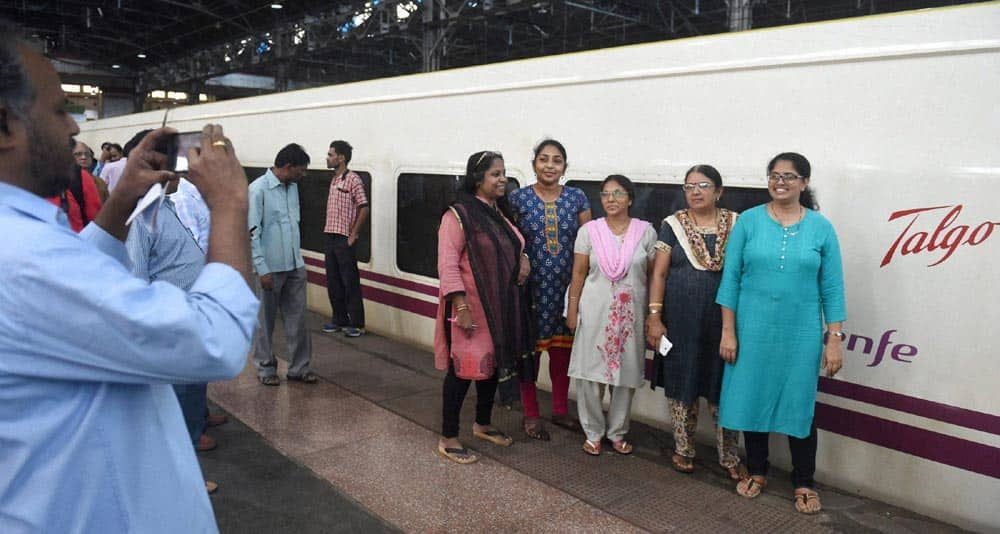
219	143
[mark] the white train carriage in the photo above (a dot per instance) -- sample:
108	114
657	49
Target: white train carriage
899	114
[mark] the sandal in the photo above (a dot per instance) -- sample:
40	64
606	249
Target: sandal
622	447
534	428
308	378
457	455
591	448
751	487
269	380
682	464
807	501
495	437
567	422
738	472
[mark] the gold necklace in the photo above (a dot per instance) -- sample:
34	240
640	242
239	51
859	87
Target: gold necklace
715	217
802	214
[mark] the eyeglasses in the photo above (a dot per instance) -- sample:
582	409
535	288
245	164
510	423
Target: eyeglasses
700	185
617	194
786	177
78	154
490	153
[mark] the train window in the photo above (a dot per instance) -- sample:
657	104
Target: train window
654	202
420	201
313	192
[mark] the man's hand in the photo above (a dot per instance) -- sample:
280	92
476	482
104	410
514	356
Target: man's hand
215	171
352	239
142	170
267	281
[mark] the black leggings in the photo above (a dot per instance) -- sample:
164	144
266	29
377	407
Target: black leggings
803	456
453	394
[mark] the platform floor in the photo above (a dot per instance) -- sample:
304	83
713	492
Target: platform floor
355	452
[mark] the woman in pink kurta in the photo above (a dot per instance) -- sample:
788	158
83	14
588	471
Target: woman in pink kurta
483	330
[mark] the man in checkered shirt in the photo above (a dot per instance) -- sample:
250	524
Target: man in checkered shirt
346	211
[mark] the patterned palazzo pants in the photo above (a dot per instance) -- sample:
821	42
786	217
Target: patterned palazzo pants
685	421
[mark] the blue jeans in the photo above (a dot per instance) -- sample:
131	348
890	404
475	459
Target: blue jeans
193	399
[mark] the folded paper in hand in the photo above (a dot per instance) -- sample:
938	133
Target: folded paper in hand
155	195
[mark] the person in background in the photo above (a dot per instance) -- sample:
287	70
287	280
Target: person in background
482	333
549	215
194	214
169	253
689	258
92	438
84	157
782	280
346	212
117	159
81	200
101	160
277	257
613	256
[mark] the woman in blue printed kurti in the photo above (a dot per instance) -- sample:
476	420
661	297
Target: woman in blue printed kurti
781	281
549	215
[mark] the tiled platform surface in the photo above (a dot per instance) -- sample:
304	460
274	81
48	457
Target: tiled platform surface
370	427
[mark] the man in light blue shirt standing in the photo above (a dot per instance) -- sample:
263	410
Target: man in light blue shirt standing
277	258
91	436
170	253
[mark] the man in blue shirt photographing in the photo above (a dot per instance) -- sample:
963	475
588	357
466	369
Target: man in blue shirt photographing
91	435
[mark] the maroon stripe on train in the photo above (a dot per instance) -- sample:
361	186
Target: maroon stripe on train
941	448
904	403
403	302
384	279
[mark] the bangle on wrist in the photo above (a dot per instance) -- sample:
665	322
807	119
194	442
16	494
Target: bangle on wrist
655	311
839	334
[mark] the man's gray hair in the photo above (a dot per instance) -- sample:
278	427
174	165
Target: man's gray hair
17	93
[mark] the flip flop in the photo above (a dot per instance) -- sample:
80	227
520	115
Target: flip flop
308	378
495	437
458	455
737	472
269	380
751	487
682	464
535	430
803	500
591	448
622	447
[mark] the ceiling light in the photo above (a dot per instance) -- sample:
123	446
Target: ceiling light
276	6
141	55
116	66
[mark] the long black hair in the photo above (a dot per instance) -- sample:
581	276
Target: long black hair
802	166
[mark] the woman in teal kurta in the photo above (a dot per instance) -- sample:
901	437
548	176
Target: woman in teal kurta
781	281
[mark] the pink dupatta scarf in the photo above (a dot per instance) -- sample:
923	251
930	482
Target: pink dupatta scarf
613	259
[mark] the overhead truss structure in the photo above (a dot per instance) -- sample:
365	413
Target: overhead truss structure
181	45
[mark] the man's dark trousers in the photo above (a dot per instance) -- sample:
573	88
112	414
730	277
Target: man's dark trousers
343	283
